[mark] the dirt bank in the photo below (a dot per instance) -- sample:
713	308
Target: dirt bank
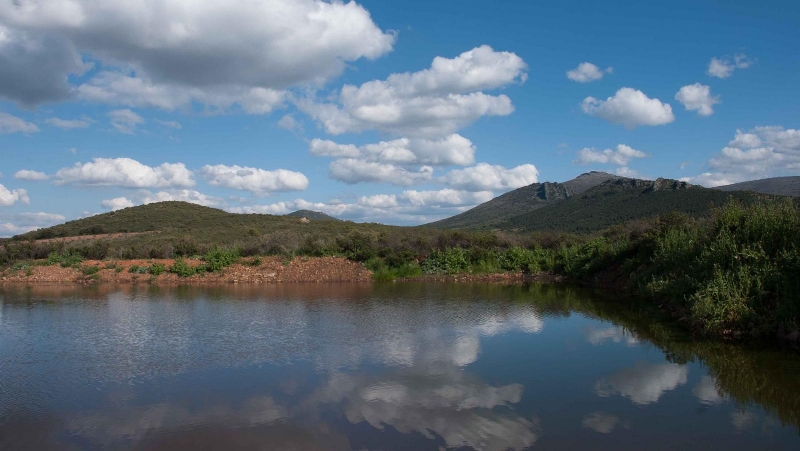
271	270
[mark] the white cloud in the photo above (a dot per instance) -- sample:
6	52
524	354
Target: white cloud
625	171
430	103
629	107
144	197
327	148
125	172
171	124
615	334
120	89
483	177
645	383
13	124
26	174
288	122
698	98
352	171
17	223
724	67
446	197
125	121
257	181
180	46
408	207
117	203
69	124
11	197
621	156
452	150
766	151
586	72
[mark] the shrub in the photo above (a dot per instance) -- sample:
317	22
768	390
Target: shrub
182	269
157	269
89	270
218	258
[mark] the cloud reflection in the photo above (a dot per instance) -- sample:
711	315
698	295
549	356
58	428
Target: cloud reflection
645	383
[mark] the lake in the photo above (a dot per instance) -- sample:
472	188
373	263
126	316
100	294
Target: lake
395	366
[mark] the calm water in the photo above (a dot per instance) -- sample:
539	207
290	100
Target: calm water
374	367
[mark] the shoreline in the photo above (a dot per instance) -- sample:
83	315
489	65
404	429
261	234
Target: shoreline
271	270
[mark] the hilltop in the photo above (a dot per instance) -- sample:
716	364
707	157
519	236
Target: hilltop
782	186
590	202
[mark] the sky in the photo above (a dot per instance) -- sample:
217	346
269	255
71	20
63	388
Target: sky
399	112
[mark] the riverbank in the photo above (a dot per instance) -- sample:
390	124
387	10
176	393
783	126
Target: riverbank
260	270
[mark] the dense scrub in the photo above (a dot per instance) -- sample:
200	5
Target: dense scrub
732	274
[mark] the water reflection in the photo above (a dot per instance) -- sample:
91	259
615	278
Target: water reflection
644	383
349	366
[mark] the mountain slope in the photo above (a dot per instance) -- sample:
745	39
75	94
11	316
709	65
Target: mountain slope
617	201
177	219
312	215
783	186
520	201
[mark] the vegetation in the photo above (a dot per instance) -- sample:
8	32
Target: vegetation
726	271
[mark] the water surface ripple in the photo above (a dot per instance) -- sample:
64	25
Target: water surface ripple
375	367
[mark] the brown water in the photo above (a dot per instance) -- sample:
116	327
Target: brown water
375	367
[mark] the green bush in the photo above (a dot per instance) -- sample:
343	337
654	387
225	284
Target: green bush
89	270
157	269
182	269
218	258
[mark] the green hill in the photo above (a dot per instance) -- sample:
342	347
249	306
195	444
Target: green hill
524	200
174	220
783	186
312	215
621	200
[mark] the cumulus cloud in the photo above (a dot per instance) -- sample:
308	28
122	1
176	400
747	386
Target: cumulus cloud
766	151
35	65
645	383
26	174
452	150
125	172
257	181
597	336
483	177
180	46
724	67
698	98
17	223
288	122
430	103
586	72
144	197
13	124
706	391
69	124
629	107
408	207
125	121
352	171
620	157
10	197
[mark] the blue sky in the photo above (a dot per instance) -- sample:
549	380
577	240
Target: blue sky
394	112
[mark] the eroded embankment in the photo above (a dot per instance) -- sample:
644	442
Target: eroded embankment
270	270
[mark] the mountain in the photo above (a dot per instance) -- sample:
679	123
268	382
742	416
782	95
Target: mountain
312	215
617	201
520	201
783	186
590	202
